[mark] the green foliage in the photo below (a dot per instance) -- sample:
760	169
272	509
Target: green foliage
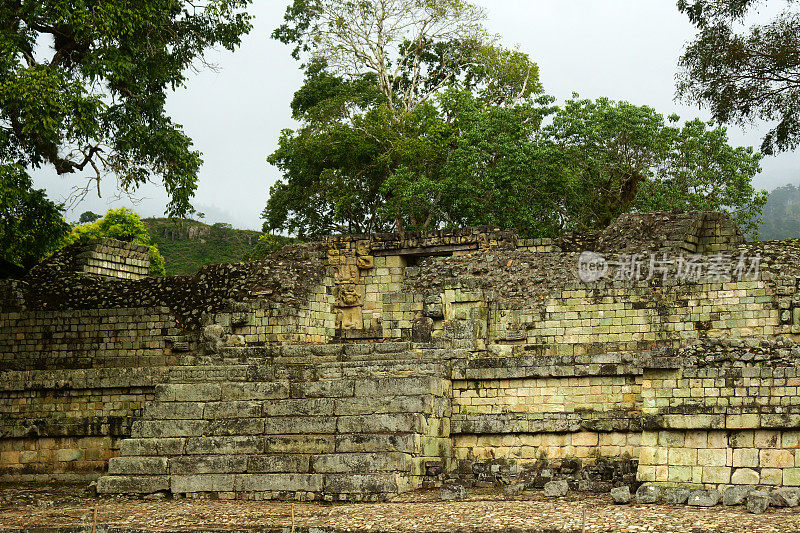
603	151
615	157
122	224
31	226
373	150
443	129
88	217
188	245
743	75
269	243
781	214
701	171
96	101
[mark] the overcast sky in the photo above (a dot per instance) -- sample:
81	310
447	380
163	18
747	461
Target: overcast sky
622	49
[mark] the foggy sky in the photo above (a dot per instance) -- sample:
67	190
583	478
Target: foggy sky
622	49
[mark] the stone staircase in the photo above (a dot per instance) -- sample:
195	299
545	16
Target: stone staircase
343	422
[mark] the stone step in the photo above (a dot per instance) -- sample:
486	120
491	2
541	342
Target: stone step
284	425
309	463
271	444
282	485
315	406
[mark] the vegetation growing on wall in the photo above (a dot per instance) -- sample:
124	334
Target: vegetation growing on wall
124	225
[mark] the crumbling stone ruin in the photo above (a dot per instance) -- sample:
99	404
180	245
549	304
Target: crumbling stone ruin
359	367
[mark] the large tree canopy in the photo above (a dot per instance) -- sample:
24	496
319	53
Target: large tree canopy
31	226
406	125
749	74
372	114
411	48
83	86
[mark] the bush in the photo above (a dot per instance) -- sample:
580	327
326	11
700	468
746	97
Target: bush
122	224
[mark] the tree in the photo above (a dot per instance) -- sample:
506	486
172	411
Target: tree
615	157
604	151
31	226
745	75
88	217
370	109
457	137
701	171
389	40
122	224
93	100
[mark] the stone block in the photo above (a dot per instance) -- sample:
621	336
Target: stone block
130	447
235	426
400	386
736	495
556	489
248	391
361	483
299	407
208	464
784	497
704	498
289	425
380	423
279	482
776	459
670	439
360	463
225	445
184	484
648	493
682	456
299	444
69	455
771	476
758	501
621	495
132	484
190	392
717	474
679	474
168	428
174	411
322	389
364	442
361	405
712	457
233	409
767	439
742	439
452	491
745	457
791	477
138	466
513	490
745	476
675	495
272	464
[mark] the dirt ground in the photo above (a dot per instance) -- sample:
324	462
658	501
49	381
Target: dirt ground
67	508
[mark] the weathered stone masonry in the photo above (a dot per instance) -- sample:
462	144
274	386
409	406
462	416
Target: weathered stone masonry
364	366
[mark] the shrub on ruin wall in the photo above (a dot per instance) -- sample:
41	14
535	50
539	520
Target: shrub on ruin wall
122	224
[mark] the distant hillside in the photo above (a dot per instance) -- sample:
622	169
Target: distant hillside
188	245
781	215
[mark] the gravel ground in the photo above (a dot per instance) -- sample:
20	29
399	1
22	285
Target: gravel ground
50	508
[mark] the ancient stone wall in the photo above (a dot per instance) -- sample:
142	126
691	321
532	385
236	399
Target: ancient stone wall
362	366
